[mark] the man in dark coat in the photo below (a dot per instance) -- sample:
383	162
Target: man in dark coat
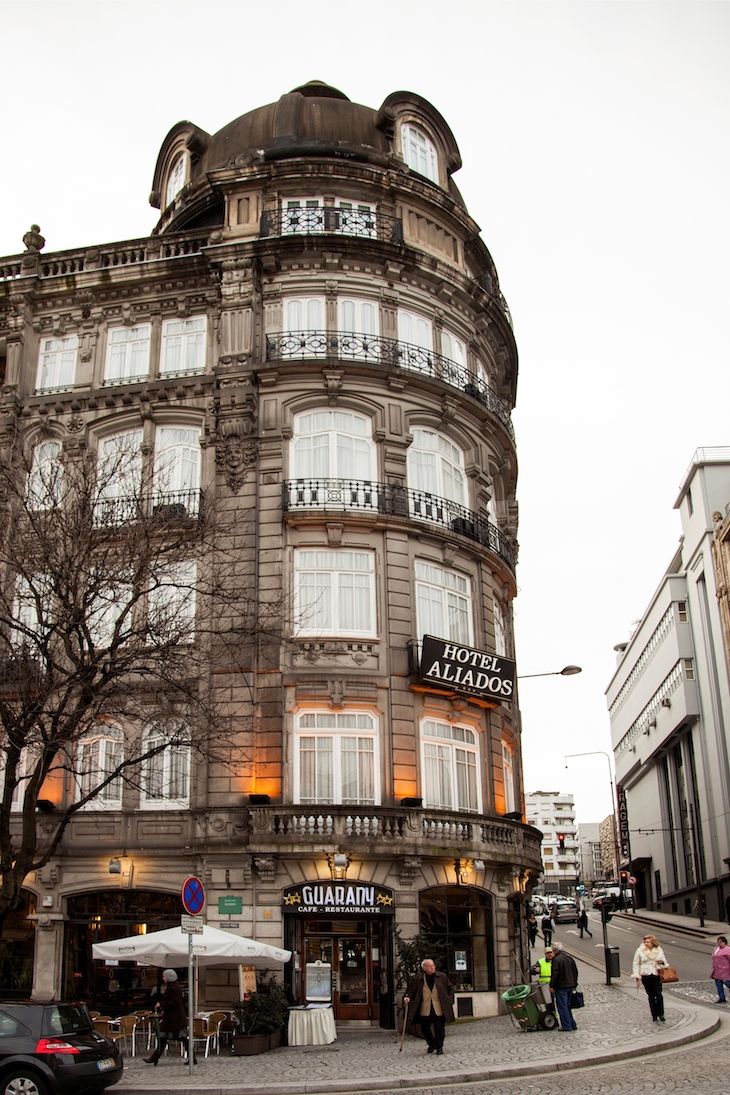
563	982
432	996
174	1021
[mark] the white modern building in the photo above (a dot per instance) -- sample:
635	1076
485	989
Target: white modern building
589	844
669	705
554	815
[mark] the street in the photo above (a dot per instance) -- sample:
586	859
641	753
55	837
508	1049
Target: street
690	956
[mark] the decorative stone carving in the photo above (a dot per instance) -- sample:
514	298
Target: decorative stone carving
33	240
266	868
410	866
234	455
75	423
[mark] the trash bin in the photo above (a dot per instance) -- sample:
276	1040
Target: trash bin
522	1006
613	962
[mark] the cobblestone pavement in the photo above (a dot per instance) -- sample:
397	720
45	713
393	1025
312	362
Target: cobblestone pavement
484	1056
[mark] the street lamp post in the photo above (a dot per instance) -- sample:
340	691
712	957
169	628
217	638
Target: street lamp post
567	671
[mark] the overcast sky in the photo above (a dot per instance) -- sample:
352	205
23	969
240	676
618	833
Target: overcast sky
595	145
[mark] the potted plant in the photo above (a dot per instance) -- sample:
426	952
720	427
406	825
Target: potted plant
261	1018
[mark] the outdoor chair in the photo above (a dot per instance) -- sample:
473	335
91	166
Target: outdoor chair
127	1029
202	1031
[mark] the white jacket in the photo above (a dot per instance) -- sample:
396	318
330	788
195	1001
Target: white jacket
647	962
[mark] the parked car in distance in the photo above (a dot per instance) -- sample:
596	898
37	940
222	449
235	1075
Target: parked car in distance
567	913
53	1049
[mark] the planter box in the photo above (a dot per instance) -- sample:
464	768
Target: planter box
275	1039
248	1045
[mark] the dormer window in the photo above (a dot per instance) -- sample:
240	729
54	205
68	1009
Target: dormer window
176	180
419	152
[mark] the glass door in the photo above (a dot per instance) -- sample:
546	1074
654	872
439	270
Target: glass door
353	981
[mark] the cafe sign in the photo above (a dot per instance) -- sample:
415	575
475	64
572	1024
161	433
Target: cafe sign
342	898
464	669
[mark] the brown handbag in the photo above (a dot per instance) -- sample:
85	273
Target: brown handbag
668	974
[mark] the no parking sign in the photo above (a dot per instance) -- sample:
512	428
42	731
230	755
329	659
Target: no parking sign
192	895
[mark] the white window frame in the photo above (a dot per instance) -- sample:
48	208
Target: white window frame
325	581
330	728
321	437
304	316
177	178
109	603
173	768
25	610
508	775
119	464
436	466
451	767
171	602
362	225
454	349
102	749
419	151
321	218
127	354
184	346
44	486
448	592
57	364
415	330
177	466
500	629
290	223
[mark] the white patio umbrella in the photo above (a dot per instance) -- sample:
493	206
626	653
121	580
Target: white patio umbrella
211	947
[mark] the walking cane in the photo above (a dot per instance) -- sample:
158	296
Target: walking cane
403	1035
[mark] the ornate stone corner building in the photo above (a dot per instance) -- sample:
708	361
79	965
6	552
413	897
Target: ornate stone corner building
317	323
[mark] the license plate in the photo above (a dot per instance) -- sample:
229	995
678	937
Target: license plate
108	1063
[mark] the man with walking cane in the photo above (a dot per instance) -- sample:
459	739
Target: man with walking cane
432	995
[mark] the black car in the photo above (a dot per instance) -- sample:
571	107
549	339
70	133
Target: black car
53	1049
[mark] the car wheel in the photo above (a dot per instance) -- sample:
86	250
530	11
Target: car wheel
548	1021
23	1081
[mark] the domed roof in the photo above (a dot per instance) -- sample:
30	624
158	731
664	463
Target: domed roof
309	117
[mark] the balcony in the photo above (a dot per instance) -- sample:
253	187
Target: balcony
392	500
161	507
341	222
389	353
399	831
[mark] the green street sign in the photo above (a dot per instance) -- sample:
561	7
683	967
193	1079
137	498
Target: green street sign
230	905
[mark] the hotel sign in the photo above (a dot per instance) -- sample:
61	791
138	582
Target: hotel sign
342	898
463	669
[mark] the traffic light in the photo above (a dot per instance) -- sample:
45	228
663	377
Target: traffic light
561	841
606	911
624	878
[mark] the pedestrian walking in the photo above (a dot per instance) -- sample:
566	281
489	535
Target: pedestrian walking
648	960
432	995
563	983
532	927
721	968
583	922
174	1021
546	926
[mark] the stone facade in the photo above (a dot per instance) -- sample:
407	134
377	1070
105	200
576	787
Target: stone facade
347	360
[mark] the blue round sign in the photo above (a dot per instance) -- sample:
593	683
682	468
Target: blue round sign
193	895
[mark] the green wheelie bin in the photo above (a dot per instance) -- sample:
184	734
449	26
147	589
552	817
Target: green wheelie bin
522	1007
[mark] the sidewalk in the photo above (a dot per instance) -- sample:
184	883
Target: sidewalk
614	1025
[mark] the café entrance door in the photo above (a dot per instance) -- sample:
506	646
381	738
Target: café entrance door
352	951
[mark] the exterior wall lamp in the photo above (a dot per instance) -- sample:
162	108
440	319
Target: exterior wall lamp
338	864
115	866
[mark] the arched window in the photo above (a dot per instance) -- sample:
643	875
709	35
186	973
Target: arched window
177	467
436	466
450	756
176	178
333	445
99	756
45	480
336	759
443	603
460	919
419	152
166	774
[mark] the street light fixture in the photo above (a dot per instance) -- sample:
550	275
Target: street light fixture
567	671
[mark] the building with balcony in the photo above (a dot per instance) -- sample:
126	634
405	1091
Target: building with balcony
553	814
669	706
315	335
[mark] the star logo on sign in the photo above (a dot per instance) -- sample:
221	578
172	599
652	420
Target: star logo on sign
293	899
385	899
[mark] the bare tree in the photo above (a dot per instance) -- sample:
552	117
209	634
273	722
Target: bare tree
117	597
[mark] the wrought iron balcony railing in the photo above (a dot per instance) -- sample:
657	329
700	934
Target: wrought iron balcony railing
391	353
390	499
164	506
341	222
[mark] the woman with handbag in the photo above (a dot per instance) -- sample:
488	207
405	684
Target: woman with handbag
648	961
721	968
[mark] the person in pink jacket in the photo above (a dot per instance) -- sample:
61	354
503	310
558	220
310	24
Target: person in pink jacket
721	968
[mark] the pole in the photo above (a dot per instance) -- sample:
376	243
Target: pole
403	1035
191	1004
605	944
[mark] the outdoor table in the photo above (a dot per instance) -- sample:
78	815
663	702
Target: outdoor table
311	1026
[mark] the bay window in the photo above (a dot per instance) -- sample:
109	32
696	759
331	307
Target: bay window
336	759
334	593
450	757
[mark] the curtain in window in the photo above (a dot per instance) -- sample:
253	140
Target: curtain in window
315	601
415	330
177	459
183	346
57	363
128	353
316	770
354	601
45	481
